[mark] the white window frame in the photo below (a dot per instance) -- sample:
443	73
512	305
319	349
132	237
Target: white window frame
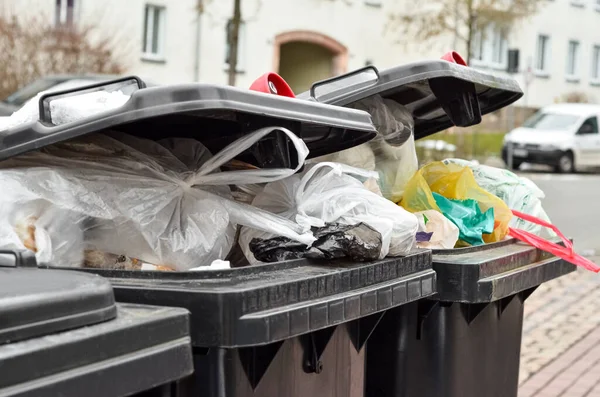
241	61
499	48
545	69
573	75
595	72
489	49
152	11
477	47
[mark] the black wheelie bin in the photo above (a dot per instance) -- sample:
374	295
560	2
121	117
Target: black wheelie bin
464	341
62	334
294	328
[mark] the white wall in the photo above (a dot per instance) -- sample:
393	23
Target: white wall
355	24
562	21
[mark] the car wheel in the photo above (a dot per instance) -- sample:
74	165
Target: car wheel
516	165
566	163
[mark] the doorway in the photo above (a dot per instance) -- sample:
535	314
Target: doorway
303	57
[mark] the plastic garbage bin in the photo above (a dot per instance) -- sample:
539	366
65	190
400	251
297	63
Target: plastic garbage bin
465	341
61	334
292	328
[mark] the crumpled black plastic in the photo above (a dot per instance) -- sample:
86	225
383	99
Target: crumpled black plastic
359	242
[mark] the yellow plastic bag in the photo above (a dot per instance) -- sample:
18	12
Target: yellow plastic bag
458	183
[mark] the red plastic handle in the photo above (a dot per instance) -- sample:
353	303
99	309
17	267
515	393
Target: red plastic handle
567	253
272	83
454	57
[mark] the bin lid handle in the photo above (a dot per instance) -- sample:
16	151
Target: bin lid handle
44	102
343	76
10	258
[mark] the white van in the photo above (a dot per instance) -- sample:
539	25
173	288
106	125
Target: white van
564	136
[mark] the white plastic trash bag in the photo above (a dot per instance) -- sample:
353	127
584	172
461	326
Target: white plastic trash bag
445	233
391	153
163	203
519	194
332	193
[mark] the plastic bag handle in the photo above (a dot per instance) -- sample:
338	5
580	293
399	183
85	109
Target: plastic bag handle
206	175
567	253
541	222
336	167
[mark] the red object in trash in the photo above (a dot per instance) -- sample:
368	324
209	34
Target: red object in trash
454	57
565	252
272	83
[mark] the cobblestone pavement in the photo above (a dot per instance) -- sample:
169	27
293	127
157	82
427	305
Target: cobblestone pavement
561	338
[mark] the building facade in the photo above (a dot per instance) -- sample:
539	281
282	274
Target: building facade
169	41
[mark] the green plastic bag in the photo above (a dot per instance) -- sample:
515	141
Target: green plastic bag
467	216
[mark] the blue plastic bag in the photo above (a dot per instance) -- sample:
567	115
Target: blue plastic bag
467	216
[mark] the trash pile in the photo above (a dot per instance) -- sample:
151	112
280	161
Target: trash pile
111	200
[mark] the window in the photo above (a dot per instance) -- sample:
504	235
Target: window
64	13
596	63
543	53
589	126
550	121
489	47
241	56
498	47
477	46
154	32
573	58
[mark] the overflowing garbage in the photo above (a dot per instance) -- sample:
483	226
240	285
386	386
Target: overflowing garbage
111	200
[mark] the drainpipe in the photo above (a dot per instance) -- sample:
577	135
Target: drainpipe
197	47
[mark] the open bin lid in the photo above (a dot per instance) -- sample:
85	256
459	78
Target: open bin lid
215	115
35	303
438	93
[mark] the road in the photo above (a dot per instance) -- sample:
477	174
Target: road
560	350
572	204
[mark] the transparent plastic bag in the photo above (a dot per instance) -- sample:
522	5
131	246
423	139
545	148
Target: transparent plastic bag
391	153
328	193
454	182
163	203
519	194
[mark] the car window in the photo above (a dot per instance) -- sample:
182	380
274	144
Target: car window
589	126
29	91
551	121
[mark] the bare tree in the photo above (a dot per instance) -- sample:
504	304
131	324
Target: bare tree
233	39
233	32
33	47
462	19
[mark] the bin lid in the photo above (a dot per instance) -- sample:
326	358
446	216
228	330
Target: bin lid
438	93
214	114
34	303
113	358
